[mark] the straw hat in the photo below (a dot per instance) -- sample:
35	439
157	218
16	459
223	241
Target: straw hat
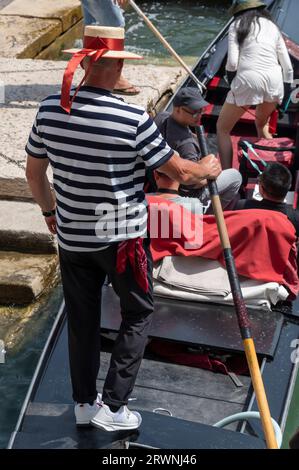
99	42
96	37
241	5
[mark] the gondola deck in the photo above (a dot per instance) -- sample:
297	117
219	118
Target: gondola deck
203	398
196	398
201	324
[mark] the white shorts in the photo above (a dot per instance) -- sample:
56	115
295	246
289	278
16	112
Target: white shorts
251	89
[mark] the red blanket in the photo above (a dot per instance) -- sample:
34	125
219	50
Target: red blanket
263	242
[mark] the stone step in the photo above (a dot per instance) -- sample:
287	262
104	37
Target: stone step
64	41
23	277
29	26
13	184
26	37
67	12
23	229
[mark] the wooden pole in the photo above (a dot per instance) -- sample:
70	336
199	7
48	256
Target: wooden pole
167	45
240	306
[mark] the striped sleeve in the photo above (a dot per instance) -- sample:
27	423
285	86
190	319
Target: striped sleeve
35	146
150	144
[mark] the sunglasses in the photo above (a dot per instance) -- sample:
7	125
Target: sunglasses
194	114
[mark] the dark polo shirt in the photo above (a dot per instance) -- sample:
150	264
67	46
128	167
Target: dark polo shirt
179	138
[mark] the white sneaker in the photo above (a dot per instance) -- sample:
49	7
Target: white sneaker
84	412
123	419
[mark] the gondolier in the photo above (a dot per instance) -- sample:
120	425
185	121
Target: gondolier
99	148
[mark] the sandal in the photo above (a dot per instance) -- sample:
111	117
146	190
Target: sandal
130	90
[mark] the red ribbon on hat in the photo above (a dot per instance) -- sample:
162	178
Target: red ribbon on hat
94	47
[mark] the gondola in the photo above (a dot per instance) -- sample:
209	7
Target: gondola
180	404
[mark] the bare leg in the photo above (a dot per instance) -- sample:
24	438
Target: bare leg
262	118
229	116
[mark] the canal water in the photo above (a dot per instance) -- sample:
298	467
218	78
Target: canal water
189	26
21	358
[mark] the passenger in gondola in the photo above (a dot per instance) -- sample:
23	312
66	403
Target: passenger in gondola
100	216
274	184
188	106
259	71
168	188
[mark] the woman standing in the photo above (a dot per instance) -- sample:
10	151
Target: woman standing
258	65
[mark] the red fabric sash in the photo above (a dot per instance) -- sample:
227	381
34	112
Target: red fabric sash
94	47
133	251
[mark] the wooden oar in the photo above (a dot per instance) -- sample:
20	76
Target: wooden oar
166	44
240	306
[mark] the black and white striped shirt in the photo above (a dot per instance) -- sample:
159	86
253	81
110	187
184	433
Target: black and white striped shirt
99	154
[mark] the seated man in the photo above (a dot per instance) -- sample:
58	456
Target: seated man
188	106
274	183
169	189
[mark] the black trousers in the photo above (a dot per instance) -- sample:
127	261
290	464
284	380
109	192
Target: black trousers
83	275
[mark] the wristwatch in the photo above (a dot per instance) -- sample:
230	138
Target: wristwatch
49	213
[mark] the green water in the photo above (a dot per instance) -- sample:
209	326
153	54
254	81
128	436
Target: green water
21	360
293	417
188	25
